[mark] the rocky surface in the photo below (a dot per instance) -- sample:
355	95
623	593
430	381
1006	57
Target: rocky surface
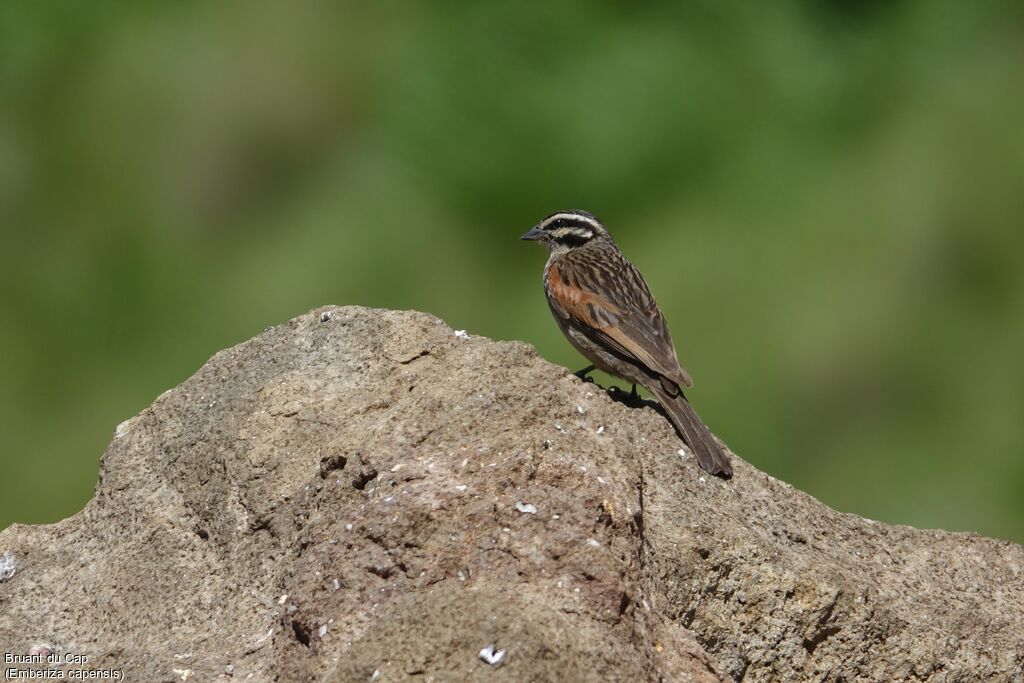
362	493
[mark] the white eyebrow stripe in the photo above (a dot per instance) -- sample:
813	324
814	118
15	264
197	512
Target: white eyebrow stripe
575	216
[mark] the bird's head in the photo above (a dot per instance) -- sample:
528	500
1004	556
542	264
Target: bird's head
566	230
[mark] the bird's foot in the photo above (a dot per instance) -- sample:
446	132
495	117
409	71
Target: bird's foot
582	374
632	399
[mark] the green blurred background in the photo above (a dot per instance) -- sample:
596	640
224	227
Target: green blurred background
826	197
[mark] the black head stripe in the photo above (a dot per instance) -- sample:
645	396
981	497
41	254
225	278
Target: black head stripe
573	235
571	219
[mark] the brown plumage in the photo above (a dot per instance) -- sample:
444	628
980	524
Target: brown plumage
606	310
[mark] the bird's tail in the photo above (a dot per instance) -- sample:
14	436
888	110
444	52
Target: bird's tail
710	455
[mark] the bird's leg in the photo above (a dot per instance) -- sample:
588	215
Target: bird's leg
633	396
582	374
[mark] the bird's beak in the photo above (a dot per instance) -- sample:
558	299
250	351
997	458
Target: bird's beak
535	233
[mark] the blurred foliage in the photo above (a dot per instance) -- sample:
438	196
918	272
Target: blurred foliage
826	197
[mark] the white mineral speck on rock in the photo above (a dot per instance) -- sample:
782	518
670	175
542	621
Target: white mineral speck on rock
526	508
581	410
122	429
594	542
492	656
600	430
322	631
559	427
325	316
682	453
8	566
702	480
461	334
460	487
283	599
375	676
348	527
337	585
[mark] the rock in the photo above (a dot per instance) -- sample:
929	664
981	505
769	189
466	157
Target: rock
342	498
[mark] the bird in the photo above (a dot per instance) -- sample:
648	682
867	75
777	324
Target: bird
605	309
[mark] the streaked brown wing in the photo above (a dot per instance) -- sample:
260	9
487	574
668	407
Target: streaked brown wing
605	294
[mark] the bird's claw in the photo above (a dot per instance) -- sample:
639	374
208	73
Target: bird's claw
582	374
632	399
